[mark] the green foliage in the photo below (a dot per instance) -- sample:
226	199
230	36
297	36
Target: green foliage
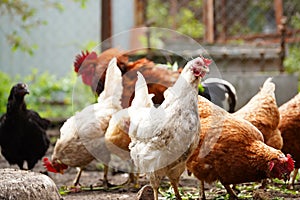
50	96
278	190
22	14
82	3
295	21
48	93
63	190
200	88
169	194
239	29
184	21
188	24
4	90
292	61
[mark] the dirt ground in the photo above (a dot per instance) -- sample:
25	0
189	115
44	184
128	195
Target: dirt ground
92	176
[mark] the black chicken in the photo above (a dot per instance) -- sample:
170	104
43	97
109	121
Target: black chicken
220	92
22	131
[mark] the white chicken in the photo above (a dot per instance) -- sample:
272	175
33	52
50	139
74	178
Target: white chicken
116	137
163	138
82	135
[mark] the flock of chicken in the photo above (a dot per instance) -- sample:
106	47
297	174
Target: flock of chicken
155	119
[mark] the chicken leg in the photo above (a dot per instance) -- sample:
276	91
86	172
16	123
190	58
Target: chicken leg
132	179
294	177
202	191
155	181
232	195
174	183
174	176
77	177
106	184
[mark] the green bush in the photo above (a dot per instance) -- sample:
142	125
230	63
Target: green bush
4	90
50	96
292	61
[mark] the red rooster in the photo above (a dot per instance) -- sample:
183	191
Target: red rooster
92	69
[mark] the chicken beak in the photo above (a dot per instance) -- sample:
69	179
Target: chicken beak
206	69
24	90
27	91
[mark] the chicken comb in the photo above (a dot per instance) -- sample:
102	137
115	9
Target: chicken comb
48	165
81	57
206	61
291	163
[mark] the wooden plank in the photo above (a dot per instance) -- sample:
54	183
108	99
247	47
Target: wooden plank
106	24
290	34
208	17
173	12
140	12
278	8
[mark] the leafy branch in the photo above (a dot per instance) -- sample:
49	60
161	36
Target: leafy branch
22	15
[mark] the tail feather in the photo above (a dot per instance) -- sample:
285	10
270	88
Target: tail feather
141	98
113	82
268	87
230	89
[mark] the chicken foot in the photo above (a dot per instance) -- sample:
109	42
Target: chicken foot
132	179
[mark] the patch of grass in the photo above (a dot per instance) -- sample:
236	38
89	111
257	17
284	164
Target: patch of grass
63	190
53	139
100	166
185	193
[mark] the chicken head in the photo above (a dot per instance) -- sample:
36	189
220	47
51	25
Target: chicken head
281	168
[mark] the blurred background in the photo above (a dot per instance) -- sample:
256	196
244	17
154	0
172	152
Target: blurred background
248	40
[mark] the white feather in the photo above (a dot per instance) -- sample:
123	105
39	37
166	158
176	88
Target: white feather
268	87
89	125
160	136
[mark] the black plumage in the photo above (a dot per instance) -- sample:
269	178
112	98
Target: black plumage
220	92
22	131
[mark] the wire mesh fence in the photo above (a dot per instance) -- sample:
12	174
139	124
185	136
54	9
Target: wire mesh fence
260	34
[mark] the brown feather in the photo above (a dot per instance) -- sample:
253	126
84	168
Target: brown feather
230	149
290	128
262	112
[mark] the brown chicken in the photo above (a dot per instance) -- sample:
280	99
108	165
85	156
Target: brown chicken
262	112
92	68
290	129
232	151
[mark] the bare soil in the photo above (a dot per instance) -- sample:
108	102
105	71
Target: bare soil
91	183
